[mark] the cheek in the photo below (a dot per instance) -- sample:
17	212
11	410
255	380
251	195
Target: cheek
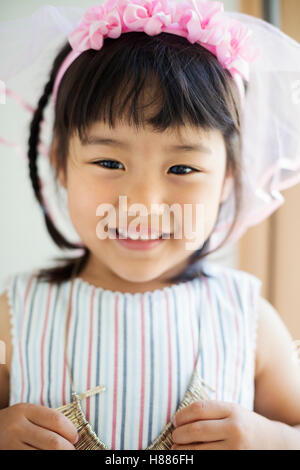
84	196
82	200
202	203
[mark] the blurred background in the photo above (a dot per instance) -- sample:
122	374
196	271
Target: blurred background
269	250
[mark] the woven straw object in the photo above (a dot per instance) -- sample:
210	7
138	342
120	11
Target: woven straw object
88	440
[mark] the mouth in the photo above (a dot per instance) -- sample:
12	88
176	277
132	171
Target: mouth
138	242
140	236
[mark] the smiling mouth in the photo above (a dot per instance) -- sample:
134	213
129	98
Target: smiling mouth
142	237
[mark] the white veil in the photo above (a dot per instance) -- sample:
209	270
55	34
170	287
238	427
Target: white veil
271	116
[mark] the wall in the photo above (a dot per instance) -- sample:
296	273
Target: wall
286	258
270	250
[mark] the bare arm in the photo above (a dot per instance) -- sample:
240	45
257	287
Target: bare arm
277	377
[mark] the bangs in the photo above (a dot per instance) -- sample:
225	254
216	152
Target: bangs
158	81
161	82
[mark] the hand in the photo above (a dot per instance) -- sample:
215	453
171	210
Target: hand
29	426
212	425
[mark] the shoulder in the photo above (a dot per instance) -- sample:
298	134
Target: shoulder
12	296
239	293
20	285
241	281
215	268
17	280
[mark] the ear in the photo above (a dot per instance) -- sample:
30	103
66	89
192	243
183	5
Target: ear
53	161
227	187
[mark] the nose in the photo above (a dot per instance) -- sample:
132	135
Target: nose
143	199
146	193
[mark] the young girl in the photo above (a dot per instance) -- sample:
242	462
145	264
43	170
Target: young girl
105	349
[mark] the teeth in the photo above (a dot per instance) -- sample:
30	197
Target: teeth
134	236
152	237
122	233
155	237
138	237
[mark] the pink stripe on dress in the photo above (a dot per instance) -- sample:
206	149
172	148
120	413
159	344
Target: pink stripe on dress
191	323
142	376
215	338
90	354
170	361
43	344
20	337
64	360
237	363
113	439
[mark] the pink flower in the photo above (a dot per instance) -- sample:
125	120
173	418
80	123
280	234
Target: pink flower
97	22
149	16
237	43
201	21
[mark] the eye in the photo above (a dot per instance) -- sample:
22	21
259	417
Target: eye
110	164
183	169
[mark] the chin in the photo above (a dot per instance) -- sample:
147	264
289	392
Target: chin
138	276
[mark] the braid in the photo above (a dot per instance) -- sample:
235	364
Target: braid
33	142
34	139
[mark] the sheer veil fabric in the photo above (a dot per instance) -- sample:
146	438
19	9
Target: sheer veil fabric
270	157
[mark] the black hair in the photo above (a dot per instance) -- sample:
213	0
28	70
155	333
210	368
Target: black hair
189	86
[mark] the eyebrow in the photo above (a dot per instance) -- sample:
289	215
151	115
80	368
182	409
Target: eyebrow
97	140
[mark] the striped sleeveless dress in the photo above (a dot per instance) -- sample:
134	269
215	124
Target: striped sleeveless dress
142	347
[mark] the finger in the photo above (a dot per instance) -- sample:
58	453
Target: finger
220	445
203	409
204	431
43	439
53	420
27	447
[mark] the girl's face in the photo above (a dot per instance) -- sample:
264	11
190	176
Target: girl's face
148	168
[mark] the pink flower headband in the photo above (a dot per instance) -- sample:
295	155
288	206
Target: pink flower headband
200	21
